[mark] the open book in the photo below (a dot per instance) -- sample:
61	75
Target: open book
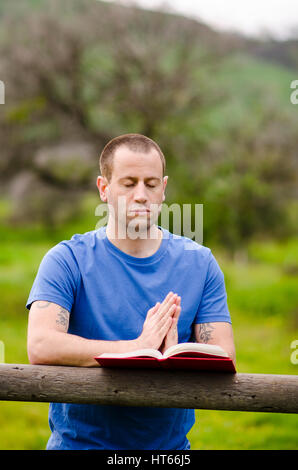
199	356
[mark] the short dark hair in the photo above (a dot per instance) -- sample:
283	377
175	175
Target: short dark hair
135	142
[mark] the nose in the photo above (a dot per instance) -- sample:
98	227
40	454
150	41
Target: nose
140	194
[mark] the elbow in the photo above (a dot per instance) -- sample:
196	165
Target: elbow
37	351
232	355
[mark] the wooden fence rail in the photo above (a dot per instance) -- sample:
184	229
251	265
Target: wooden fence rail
152	388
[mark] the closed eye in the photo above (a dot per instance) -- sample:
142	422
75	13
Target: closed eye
132	184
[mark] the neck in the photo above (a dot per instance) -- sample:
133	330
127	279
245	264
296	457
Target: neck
145	245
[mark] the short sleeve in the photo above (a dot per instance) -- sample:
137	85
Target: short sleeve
57	278
213	306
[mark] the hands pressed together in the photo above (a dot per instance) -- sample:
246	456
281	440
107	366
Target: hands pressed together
160	327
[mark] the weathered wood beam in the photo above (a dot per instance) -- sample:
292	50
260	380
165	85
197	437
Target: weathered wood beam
152	388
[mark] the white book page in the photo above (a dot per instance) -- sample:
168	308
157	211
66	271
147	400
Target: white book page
199	347
139	352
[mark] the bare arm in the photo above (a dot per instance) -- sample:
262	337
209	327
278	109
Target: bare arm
220	333
49	343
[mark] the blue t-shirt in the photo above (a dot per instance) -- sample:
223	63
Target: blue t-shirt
108	294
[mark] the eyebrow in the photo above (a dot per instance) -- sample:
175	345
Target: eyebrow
136	179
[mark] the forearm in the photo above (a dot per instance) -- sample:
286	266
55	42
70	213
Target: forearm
230	349
50	343
60	348
219	333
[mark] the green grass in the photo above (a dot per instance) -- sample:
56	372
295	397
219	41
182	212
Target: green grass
263	303
233	430
23	426
262	297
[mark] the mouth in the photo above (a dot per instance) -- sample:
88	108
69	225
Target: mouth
139	212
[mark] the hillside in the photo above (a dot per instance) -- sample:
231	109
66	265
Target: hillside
80	72
284	52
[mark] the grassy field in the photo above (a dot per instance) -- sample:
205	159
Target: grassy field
262	297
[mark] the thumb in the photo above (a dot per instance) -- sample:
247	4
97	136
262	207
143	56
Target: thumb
153	309
177	313
174	323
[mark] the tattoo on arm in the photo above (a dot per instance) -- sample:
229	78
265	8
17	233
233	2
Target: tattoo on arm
63	318
205	332
42	304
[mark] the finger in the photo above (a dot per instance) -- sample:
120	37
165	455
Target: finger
167	298
178	304
170	310
177	312
161	320
167	305
153	309
156	322
173	329
163	330
169	314
174	323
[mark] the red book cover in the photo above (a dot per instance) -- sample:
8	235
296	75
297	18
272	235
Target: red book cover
180	361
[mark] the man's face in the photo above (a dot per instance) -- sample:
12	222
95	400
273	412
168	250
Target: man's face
136	190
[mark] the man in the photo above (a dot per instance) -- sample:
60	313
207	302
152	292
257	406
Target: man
126	286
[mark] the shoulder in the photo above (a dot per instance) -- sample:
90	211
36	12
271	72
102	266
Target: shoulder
187	247
76	242
70	252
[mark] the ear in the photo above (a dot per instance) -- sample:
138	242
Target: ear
165	180
102	185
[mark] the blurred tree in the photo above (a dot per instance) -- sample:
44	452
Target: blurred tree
99	72
81	72
252	180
